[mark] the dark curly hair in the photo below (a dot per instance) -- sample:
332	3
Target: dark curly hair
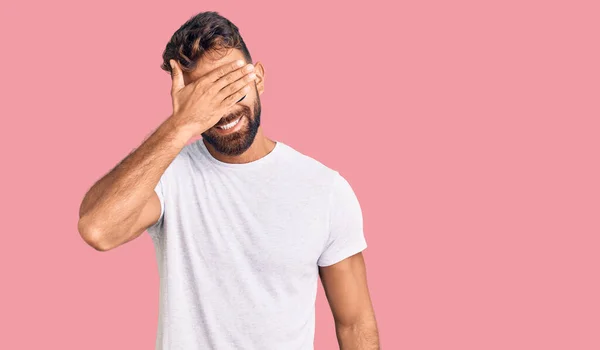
203	33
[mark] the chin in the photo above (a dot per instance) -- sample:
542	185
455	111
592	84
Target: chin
232	144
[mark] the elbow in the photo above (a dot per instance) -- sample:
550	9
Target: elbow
93	236
364	324
359	334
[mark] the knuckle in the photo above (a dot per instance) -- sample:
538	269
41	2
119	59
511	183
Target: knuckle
213	89
202	89
229	78
232	88
230	98
200	82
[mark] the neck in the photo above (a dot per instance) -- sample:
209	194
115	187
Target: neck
261	146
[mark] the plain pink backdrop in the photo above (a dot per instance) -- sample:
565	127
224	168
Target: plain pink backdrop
468	130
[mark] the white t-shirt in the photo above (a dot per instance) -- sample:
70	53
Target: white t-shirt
238	248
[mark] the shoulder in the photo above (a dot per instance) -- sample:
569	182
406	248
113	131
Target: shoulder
332	183
304	163
306	167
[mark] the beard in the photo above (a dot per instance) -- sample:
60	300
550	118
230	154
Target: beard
238	142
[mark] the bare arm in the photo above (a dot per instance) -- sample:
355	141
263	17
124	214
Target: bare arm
122	204
345	285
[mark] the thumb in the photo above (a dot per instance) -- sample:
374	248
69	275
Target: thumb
176	75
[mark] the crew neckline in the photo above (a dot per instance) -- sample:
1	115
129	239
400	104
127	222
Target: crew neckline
269	157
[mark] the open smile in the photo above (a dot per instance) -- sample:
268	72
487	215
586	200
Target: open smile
230	127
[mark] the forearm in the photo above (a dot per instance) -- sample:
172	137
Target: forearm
361	335
113	202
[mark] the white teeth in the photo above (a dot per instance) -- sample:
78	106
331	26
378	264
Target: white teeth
230	125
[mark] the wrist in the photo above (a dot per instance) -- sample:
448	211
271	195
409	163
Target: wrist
181	131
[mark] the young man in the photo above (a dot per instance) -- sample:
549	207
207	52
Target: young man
243	225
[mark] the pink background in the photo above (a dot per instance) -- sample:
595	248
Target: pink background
468	129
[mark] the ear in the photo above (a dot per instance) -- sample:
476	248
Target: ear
259	70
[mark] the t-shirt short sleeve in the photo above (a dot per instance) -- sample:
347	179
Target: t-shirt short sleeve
346	236
159	190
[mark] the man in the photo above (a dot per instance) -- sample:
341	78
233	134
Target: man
242	225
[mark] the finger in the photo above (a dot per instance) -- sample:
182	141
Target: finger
177	76
223	70
233	98
234	76
236	85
